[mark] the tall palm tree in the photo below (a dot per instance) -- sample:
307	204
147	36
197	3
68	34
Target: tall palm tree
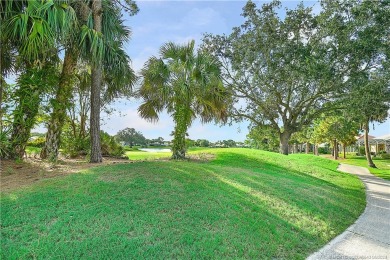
96	152
187	85
111	59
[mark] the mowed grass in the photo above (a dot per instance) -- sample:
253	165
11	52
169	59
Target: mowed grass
383	165
243	204
148	156
141	155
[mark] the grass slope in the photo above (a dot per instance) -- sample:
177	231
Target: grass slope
244	204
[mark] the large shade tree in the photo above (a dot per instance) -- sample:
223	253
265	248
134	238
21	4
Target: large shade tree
278	69
359	32
187	85
131	137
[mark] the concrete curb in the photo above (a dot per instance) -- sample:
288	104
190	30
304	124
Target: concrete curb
369	236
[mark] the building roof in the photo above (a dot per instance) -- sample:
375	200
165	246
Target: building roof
383	137
361	137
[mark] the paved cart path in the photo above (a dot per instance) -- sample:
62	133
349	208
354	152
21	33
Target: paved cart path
369	236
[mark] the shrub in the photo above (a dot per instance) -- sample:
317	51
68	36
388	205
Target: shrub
110	147
37	142
73	145
323	150
4	142
128	148
385	155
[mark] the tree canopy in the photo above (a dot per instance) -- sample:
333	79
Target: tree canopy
278	67
131	137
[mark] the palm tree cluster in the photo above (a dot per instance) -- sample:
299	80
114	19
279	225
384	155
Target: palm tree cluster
70	47
34	35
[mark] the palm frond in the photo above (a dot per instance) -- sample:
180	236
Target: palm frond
179	79
148	111
39	26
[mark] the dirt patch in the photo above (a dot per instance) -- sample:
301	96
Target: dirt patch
15	175
201	157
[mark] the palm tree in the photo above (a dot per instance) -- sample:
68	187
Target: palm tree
187	85
111	60
96	152
31	31
102	49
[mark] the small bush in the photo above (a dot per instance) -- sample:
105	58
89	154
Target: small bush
4	142
73	145
385	155
38	142
323	150
109	145
128	148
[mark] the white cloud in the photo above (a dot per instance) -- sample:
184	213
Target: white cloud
133	120
201	17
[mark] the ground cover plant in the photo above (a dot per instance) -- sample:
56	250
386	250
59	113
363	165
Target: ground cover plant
242	204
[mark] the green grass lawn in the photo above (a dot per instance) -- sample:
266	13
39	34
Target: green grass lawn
141	155
32	150
243	204
383	165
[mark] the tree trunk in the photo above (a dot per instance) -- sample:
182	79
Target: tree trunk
344	151
307	147
58	116
284	138
181	119
316	148
367	147
83	122
2	84
335	150
29	98
96	75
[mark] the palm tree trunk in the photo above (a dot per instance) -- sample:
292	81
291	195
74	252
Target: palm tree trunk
284	138
61	102
2	84
367	147
96	75
181	118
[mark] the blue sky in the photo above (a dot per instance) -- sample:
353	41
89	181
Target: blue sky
180	21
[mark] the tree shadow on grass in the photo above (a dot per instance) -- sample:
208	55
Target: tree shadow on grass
332	206
187	209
